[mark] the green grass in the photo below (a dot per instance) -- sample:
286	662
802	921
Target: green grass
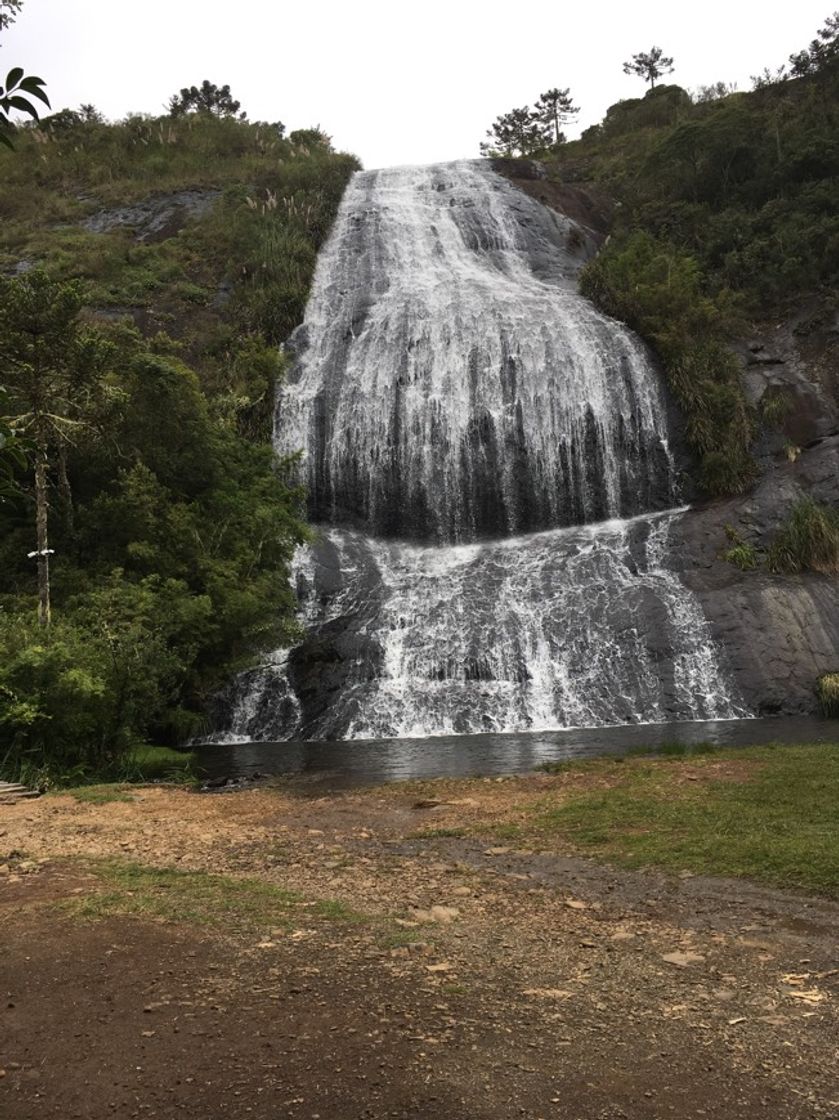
218	902
144	764
773	817
149	764
807	541
98	794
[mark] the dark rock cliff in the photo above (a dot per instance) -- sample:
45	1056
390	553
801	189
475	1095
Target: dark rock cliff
780	633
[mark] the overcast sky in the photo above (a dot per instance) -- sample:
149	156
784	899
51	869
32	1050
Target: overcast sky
394	83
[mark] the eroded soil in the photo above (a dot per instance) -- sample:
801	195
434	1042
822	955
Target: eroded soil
542	985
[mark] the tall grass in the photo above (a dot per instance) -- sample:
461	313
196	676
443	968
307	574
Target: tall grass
808	541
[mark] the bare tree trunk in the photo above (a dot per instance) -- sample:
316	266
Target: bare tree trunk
41	507
64	488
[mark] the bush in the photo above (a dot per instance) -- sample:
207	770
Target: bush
75	700
658	290
808	541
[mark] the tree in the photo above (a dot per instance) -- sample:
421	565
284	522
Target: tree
8	12
209	98
553	109
519	132
650	66
12	455
52	367
822	53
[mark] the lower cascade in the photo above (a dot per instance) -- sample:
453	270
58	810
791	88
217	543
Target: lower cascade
490	462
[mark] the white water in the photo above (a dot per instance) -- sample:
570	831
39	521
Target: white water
450	384
455	384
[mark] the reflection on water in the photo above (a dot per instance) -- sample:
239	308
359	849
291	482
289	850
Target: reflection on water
363	763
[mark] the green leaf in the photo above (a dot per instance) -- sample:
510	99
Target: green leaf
23	105
32	86
14	76
5	140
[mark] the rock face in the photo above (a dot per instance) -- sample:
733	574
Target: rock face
157	217
779	633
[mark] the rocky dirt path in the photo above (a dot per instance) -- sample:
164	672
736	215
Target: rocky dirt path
471	979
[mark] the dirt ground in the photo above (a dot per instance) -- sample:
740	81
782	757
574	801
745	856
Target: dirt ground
543	985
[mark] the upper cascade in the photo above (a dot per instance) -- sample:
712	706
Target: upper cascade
450	384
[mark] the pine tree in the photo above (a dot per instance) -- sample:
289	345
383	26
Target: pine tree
553	109
517	133
52	368
650	66
208	98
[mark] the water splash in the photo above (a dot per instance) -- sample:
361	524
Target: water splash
575	627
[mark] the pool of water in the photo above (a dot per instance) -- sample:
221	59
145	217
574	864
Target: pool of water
344	764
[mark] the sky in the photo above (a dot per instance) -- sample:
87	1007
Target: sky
394	83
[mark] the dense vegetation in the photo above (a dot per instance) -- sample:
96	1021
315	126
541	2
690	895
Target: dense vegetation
172	527
727	212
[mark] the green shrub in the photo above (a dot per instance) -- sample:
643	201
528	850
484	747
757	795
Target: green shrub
808	541
658	290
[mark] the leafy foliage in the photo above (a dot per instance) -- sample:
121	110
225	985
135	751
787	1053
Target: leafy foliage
517	133
206	98
738	192
529	132
8	12
649	65
822	53
657	289
20	92
553	109
172	523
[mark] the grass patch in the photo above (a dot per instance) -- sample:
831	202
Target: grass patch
152	764
827	691
218	902
98	795
807	541
402	938
767	813
439	834
336	911
674	749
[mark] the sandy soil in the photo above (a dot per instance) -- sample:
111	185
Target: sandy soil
544	985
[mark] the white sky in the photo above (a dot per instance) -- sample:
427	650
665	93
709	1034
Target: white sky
392	82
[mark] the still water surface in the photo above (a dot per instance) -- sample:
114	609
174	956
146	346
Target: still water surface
372	762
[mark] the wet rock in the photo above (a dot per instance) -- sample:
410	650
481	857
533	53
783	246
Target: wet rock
157	217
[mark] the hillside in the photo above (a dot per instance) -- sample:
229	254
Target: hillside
162	260
720	221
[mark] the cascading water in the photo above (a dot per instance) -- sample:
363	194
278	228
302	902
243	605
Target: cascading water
451	388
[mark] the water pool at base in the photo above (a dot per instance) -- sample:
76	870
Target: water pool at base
344	764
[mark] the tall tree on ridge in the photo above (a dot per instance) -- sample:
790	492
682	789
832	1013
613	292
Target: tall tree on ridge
519	132
553	109
649	65
206	98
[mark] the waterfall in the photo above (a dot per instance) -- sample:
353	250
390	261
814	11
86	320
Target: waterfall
489	460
